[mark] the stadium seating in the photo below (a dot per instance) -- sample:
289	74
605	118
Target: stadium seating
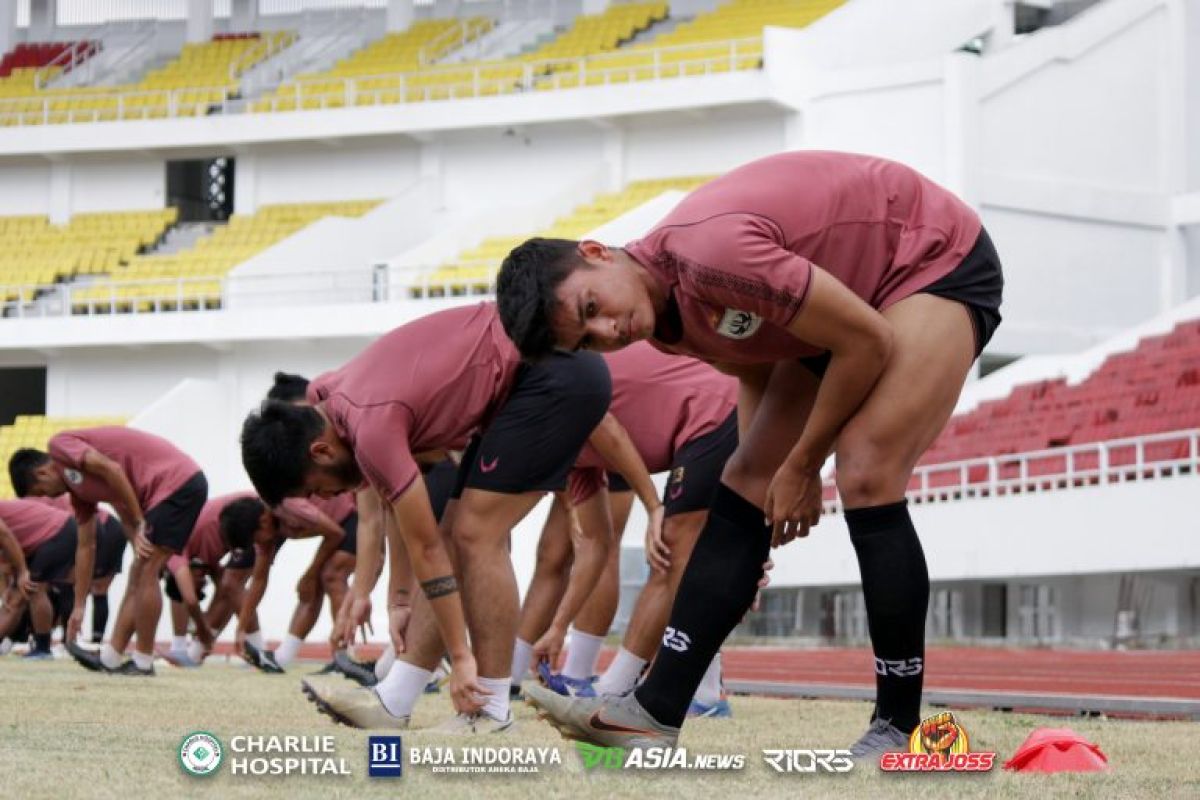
35	431
191	279
202	75
474	271
29	57
35	253
376	69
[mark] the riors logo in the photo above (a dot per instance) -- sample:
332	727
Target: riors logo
736	324
200	753
73	476
938	744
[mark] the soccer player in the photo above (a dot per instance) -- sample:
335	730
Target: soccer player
850	296
158	492
299	518
682	416
226	526
431	385
38	541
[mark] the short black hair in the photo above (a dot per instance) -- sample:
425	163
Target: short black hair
525	288
239	521
21	467
288	387
275	442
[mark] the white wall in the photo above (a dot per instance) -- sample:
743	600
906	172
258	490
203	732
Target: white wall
118	381
117	183
708	142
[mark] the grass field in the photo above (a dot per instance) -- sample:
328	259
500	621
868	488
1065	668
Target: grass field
72	735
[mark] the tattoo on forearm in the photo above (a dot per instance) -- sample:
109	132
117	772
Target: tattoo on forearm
439	587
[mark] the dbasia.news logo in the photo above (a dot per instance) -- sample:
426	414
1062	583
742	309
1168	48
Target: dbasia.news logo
938	744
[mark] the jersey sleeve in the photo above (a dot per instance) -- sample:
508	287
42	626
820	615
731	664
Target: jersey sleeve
68	449
740	261
299	513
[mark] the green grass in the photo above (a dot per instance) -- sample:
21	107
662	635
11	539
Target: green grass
69	734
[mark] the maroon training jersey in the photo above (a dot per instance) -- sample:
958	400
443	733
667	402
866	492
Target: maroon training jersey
205	544
427	385
664	402
32	524
155	467
736	255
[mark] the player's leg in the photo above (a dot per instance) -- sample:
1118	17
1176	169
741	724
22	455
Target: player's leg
876	452
110	553
227	598
597	614
100	607
545	588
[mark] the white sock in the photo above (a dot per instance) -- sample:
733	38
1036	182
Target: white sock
143	660
402	687
622	674
179	643
6	646
709	691
195	651
439	672
256	640
287	650
583	651
496	706
385	661
522	657
109	657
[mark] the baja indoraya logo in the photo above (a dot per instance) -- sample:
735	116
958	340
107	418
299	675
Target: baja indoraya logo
938	744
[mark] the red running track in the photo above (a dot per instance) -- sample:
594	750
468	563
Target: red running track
1173	674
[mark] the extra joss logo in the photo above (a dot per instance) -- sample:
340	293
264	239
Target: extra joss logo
200	753
938	744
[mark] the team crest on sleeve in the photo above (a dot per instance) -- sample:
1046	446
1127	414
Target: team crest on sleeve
73	476
736	324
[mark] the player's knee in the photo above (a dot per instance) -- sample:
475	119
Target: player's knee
747	477
474	532
869	475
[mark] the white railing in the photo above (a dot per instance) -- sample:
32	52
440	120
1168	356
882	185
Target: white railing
1056	469
484	79
104	107
196	293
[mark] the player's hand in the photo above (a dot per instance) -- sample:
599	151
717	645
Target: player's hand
657	552
466	692
25	583
354	615
549	647
793	503
74	623
141	542
765	580
398	617
307	588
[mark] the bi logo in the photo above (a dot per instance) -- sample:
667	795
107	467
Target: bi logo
385	757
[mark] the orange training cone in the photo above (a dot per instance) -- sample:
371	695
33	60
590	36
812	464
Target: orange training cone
1057	750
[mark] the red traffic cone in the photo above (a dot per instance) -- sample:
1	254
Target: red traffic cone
1057	750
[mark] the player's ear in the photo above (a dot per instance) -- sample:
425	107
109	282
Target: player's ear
594	252
322	452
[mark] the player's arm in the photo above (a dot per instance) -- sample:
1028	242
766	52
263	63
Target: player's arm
191	601
612	442
130	511
12	550
591	534
85	562
356	608
264	554
331	538
435	573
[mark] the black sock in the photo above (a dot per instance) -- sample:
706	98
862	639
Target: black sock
41	642
896	590
716	590
99	616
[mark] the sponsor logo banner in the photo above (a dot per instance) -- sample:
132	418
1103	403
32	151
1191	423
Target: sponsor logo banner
939	744
657	758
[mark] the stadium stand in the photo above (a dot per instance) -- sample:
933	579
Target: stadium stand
474	271
191	279
35	431
35	253
32	57
204	74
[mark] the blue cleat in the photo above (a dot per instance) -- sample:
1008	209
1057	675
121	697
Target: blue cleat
718	710
38	655
567	687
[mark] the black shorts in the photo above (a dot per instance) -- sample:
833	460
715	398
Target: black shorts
350	540
55	558
537	434
696	469
241	558
110	548
977	282
171	521
440	480
617	483
171	587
